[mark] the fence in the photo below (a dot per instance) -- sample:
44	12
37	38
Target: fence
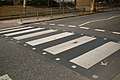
53	12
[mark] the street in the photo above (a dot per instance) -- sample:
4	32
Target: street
74	47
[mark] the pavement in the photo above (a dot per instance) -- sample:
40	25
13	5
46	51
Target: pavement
23	60
17	22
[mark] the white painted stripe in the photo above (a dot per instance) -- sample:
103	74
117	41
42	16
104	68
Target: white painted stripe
51	24
12	28
68	45
72	26
84	28
48	39
111	17
84	23
94	56
100	30
33	34
61	25
43	23
15	30
36	23
116	32
5	77
20	32
97	20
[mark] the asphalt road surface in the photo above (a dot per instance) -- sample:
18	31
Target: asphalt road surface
87	45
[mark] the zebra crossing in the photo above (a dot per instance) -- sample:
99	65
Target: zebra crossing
20	32
33	34
82	50
96	55
15	30
48	39
67	45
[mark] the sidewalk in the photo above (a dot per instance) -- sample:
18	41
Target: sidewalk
46	18
17	22
9	23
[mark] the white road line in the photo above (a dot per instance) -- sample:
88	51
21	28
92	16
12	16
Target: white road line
15	29
84	23
12	28
116	32
94	56
91	22
33	34
61	25
20	32
36	23
97	20
84	28
43	23
100	30
73	66
48	39
114	17
72	26
5	77
51	24
111	17
68	45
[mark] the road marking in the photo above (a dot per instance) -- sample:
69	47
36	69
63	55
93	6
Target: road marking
12	28
100	30
44	53
33	34
15	29
94	56
50	38
33	48
114	17
43	23
5	77
84	28
95	76
61	25
111	17
84	23
91	22
68	45
51	24
72	26
25	44
82	34
20	32
116	32
36	23
73	66
97	20
105	38
57	59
